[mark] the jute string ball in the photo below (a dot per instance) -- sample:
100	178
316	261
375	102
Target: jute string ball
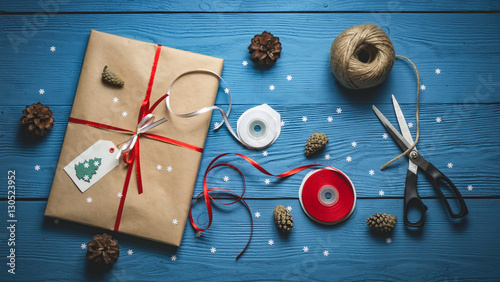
362	56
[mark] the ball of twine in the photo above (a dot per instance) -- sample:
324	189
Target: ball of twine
362	56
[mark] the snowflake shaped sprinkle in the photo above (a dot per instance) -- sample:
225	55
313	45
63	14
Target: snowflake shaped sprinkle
327	156
86	165
470	187
115	100
265	153
385	136
158	167
270	242
326	253
388	240
86	178
437	71
257	214
169	168
83	246
354	144
213	250
282	123
304	119
381	193
371	172
348	159
226	178
226	90
56	221
198	234
289	77
271	87
119	195
245	63
438	120
289	208
339	110
175	221
124	114
173	257
96	163
422	87
89	200
267	181
216	124
410	124
130	252
41	91
305	249
37	167
329	119
450	165
52	49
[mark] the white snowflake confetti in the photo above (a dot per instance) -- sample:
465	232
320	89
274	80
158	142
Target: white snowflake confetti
289	77
289	208
450	165
304	119
410	124
305	249
213	250
354	144
169	168
437	71
53	49
257	214
326	253
381	193
226	90
124	114
175	221
422	87
385	136
327	156
329	119
173	257
86	165
89	200
265	153
270	242
115	100
216	124
37	167
348	159
244	63
198	234
96	163
271	87
388	240
438	120
130	252
86	177
339	110
226	178
119	195
371	172
83	246
470	187
56	221
158	167
41	91
282	123
267	181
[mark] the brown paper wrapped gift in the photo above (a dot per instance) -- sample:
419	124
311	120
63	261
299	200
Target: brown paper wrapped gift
166	195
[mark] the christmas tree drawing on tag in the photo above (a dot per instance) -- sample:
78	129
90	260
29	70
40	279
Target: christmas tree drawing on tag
86	169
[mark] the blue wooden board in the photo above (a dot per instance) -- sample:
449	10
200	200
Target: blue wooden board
465	95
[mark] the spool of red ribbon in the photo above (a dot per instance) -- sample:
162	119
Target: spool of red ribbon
327	196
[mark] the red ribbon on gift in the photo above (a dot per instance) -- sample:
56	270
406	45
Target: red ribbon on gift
133	156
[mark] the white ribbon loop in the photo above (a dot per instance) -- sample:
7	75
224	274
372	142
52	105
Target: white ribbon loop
146	123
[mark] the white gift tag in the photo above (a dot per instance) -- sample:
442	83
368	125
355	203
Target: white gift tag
93	164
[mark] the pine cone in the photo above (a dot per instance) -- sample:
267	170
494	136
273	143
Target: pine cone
103	250
315	143
382	222
265	49
283	218
38	119
111	78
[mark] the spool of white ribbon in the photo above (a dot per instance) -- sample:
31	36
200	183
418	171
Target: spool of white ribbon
273	127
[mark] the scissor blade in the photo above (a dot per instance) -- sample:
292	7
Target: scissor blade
400	140
402	121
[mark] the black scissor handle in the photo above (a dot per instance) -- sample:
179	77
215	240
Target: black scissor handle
412	199
434	176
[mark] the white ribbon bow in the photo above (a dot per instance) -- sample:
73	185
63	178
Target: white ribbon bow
146	123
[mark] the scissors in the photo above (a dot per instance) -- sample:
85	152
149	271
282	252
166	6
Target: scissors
436	177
